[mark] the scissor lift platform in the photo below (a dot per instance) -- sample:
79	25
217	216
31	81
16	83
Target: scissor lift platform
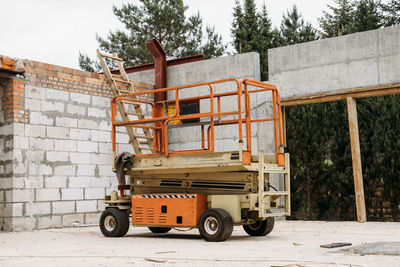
201	187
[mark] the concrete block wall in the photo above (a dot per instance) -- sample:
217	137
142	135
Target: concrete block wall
356	60
55	164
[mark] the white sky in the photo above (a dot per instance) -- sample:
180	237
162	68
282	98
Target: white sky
54	31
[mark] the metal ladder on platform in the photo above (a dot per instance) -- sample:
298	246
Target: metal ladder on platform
137	140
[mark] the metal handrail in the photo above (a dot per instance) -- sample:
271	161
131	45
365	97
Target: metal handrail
161	121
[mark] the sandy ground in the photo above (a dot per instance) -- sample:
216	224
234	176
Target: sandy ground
292	243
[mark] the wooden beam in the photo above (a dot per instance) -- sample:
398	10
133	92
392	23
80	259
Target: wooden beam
356	159
360	92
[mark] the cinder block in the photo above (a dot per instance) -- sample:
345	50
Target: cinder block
81	158
122	138
65	145
54	156
100	181
105	148
36	169
41	143
79	134
65	170
12	183
86	170
79	182
35	130
34	117
66	122
100	158
21	142
23	195
46	120
96	112
106	170
37	208
18	129
87	124
101	136
57	132
47	194
35	92
92	218
71	194
86	206
34	155
87	146
76	110
67	220
55	182
80	98
52	106
94	193
23	223
33	104
33	181
46	222
105	126
57	94
104	102
63	207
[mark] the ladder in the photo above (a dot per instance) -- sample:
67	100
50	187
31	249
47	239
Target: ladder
137	140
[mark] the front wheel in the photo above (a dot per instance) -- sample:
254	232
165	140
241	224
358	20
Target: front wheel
215	225
114	222
260	228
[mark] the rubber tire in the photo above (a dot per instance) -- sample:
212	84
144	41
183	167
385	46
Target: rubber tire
159	230
225	225
121	218
260	228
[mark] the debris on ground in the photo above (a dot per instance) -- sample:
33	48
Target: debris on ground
335	245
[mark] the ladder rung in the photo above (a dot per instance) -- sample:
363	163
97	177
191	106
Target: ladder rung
143	137
125	91
135	114
110	56
143	142
121	80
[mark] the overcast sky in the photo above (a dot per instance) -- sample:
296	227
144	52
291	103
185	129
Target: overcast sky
54	31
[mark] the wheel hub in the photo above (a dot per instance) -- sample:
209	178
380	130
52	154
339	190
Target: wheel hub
211	225
109	223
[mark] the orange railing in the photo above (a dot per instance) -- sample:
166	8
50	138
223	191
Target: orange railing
160	120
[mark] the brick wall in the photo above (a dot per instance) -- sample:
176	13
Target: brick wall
55	141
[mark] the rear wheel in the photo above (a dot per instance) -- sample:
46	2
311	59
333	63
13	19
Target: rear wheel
260	228
159	230
215	225
114	222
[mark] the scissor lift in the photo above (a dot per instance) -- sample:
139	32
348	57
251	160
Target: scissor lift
201	187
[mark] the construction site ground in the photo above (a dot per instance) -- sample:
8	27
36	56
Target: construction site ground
292	243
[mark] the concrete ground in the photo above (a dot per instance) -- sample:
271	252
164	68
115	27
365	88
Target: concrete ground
292	243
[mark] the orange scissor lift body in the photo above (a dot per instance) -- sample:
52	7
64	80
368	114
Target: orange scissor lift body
202	187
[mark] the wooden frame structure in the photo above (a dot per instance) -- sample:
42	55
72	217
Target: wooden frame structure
350	95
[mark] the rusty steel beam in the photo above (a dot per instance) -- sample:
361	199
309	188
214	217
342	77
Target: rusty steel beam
160	68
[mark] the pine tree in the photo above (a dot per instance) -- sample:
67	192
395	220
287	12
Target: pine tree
265	41
162	19
250	26
391	13
339	21
237	30
294	30
367	16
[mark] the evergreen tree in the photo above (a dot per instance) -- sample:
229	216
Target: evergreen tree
237	30
339	21
367	16
391	12
265	41
162	19
294	30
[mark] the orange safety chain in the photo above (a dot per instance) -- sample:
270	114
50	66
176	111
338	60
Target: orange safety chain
160	121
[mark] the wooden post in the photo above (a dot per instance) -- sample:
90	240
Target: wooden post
356	156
